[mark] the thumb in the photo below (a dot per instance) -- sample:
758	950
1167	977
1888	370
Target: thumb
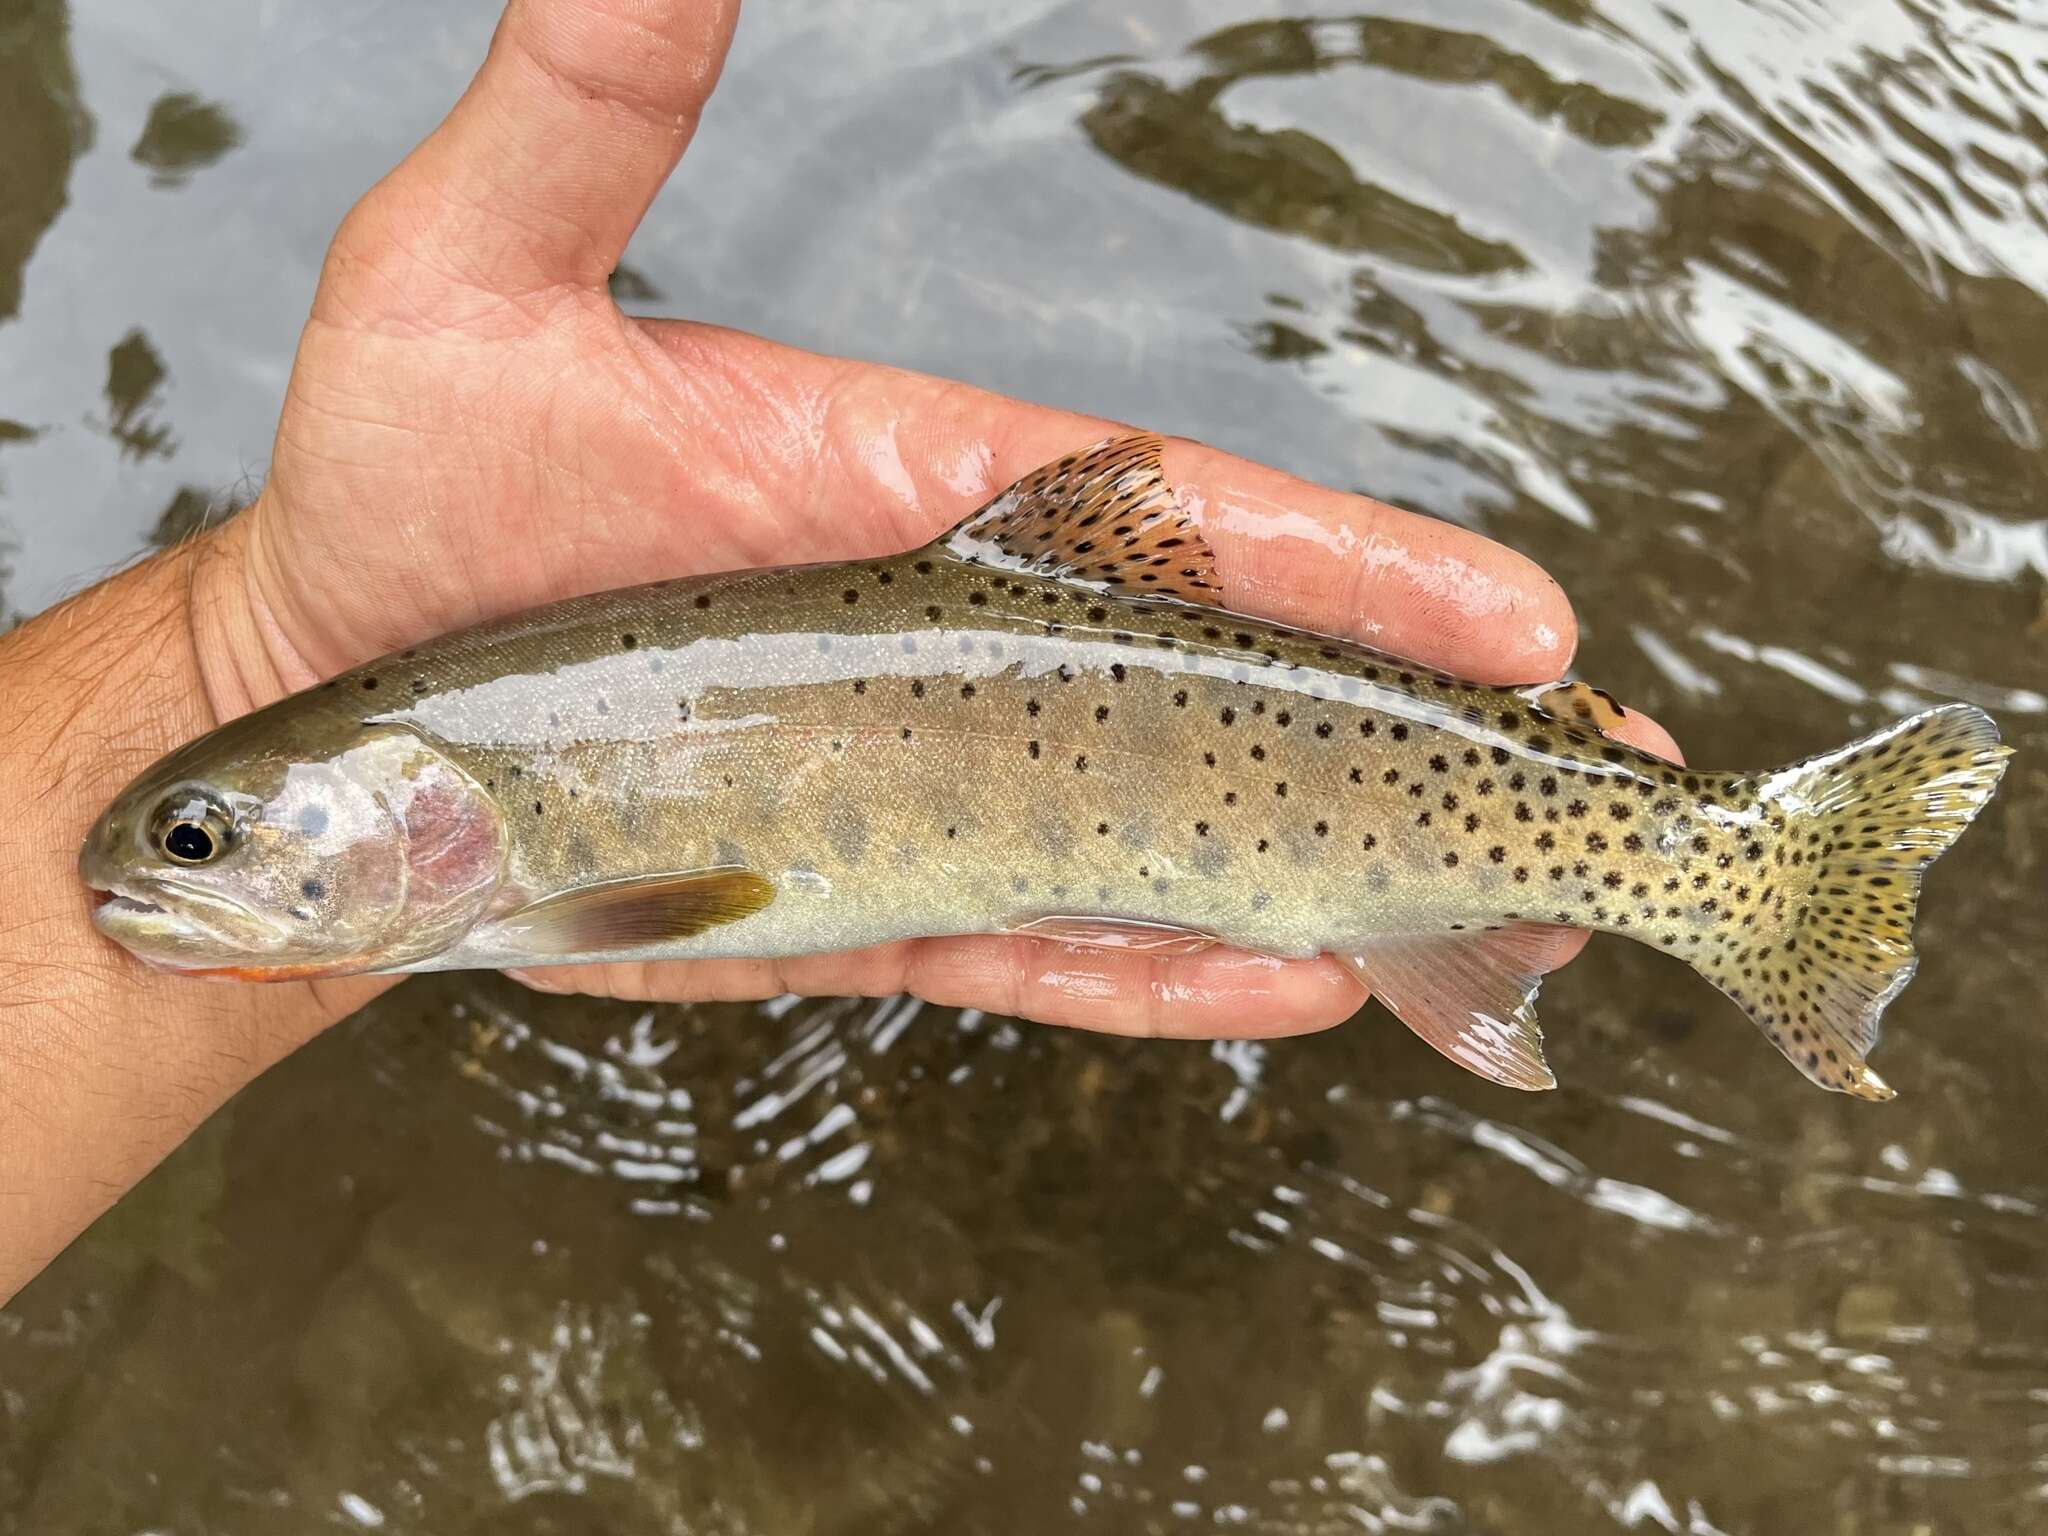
541	173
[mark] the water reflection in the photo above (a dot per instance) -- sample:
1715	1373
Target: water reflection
183	134
47	128
134	393
1731	315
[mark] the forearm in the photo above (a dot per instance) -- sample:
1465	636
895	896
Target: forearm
105	1065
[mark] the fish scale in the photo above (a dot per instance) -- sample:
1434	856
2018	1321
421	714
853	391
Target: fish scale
1045	724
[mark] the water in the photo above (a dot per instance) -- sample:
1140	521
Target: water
1734	315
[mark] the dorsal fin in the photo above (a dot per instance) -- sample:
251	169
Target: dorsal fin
1104	517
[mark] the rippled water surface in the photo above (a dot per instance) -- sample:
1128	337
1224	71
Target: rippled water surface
1733	314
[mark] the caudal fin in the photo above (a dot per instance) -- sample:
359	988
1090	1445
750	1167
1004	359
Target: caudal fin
1859	827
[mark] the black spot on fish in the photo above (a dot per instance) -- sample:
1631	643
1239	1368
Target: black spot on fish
313	890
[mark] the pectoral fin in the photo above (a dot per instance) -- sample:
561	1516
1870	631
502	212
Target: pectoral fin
1471	995
636	913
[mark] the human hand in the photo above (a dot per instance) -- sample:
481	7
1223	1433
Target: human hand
472	427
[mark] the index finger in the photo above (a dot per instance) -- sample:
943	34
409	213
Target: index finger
890	459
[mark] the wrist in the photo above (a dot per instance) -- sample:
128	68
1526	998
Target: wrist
106	1063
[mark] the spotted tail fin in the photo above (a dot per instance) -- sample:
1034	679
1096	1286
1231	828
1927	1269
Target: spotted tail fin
1865	821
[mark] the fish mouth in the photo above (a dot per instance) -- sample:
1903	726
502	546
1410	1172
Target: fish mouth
115	907
174	926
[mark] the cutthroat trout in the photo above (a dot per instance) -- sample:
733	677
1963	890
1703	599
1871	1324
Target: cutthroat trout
1043	723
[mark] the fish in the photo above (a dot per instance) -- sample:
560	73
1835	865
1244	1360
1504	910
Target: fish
1045	722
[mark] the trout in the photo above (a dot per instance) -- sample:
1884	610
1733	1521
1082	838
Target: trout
1043	723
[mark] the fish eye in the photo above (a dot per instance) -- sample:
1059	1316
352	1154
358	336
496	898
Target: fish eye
189	842
191	829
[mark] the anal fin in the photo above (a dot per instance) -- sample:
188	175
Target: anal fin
638	912
1471	995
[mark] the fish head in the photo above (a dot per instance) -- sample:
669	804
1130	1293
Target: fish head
256	854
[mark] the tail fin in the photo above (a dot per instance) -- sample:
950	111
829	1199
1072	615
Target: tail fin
1855	830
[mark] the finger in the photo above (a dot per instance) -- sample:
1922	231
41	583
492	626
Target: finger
1217	994
542	171
887	460
1639	730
